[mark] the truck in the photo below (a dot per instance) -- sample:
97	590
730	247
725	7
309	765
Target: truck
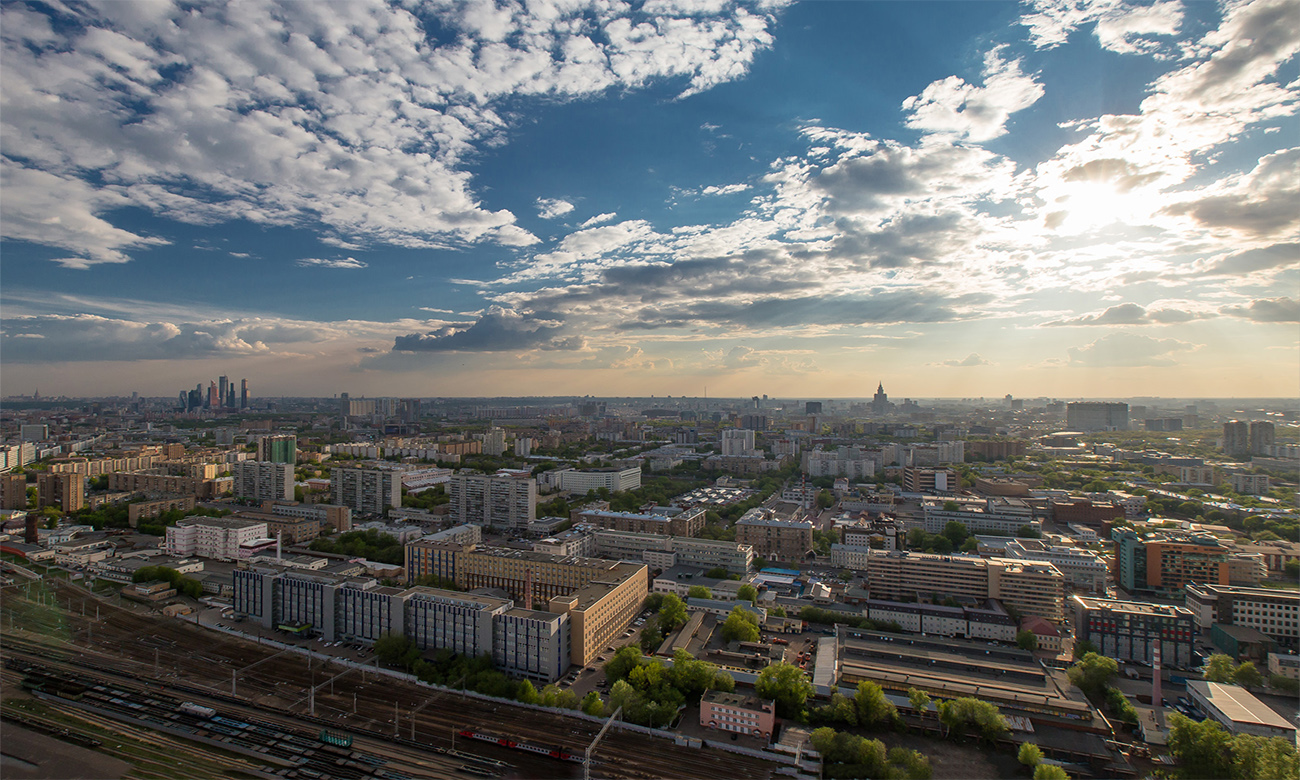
1131	673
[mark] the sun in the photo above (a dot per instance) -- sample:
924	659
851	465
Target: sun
1091	206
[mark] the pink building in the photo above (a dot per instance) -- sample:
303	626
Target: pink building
741	714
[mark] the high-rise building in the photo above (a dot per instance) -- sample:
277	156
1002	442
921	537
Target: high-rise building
1236	438
213	401
494	442
243	394
1130	631
223	391
880	402
280	448
13	491
812	407
1261	436
1088	416
737	442
495	500
366	491
263	480
65	491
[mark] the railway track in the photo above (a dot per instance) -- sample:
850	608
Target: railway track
163	652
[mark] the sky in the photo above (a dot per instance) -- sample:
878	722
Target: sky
1066	198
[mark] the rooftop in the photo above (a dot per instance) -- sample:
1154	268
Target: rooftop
1239	705
1134	607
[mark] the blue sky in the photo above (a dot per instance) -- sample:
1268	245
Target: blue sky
1071	198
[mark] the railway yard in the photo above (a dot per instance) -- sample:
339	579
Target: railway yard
74	656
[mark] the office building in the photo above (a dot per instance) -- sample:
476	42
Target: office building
1236	438
1130	630
1032	588
501	501
67	492
688	522
998	515
1082	568
738	713
586	481
263	480
212	537
433	558
332	516
533	643
1166	562
663	552
1273	613
280	448
1088	416
446	619
243	394
850	556
579	540
41	432
773	538
365	491
931	481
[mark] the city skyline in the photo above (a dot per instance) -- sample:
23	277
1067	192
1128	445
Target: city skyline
1071	200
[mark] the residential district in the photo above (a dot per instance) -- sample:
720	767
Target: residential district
220	585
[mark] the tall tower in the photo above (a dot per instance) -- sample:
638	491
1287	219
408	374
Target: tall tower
223	390
243	394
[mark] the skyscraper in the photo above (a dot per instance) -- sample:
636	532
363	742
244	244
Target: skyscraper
880	402
1236	438
243	394
223	391
1261	436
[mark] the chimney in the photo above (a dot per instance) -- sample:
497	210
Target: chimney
1155	675
279	539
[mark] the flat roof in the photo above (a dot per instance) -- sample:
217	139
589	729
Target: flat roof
1239	705
1138	607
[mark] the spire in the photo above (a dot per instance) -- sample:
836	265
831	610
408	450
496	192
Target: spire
880	389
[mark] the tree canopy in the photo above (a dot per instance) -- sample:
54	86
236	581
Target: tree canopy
787	685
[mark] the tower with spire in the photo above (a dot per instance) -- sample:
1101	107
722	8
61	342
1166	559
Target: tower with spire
880	402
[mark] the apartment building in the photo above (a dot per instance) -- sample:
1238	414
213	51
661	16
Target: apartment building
262	480
881	532
849	462
1089	416
278	448
1274	613
850	556
688	522
502	501
151	482
930	481
1131	630
365	491
1166	562
588	480
737	442
1250	484
773	538
332	516
212	537
13	491
94	467
67	492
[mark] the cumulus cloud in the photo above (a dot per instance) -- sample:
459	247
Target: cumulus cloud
963	110
1128	350
498	330
971	360
1133	314
354	116
599	218
1267	258
1121	26
1267	310
344	262
550	208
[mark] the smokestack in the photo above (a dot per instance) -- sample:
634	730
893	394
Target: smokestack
279	539
1156	695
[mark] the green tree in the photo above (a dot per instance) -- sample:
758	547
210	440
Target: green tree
823	740
747	592
740	626
592	705
1203	749
787	685
717	573
1247	676
526	693
699	592
1027	640
873	708
391	648
1029	754
920	701
1050	772
563	698
776	612
1264	758
1084	647
621	665
672	612
965	713
1093	673
722	681
1219	668
956	533
1292	569
1027	532
825	500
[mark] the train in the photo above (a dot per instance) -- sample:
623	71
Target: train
556	751
198	710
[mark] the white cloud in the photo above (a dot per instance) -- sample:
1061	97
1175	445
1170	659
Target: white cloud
550	208
598	219
343	113
953	107
727	189
346	262
1128	350
1121	26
